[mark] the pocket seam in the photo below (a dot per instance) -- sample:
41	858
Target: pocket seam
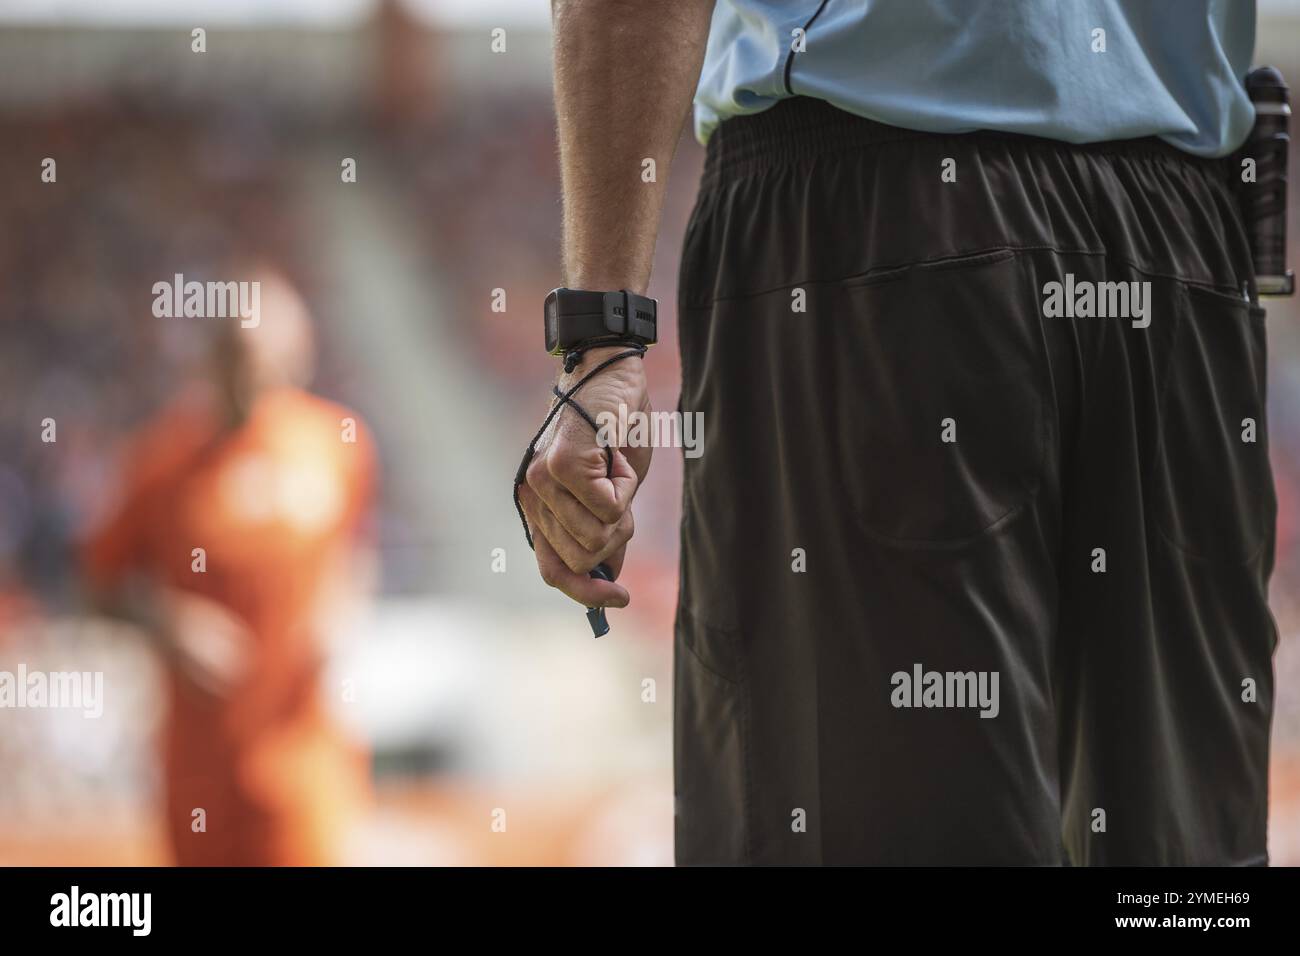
690	648
744	718
1230	301
969	260
729	637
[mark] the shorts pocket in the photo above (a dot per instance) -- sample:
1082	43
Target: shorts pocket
1212	471
710	720
949	373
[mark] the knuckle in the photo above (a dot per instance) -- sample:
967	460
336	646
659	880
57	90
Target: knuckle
537	473
559	462
527	497
550	574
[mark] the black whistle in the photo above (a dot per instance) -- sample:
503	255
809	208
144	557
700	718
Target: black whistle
596	615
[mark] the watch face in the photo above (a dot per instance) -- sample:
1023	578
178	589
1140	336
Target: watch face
552	326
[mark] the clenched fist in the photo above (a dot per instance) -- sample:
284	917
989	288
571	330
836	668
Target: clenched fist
579	509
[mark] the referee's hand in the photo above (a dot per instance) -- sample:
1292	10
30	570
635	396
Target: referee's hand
579	513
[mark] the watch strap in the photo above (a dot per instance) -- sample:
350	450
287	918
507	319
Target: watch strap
581	314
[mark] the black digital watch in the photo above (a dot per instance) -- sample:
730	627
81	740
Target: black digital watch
575	316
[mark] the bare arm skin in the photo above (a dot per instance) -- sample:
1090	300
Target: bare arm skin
625	75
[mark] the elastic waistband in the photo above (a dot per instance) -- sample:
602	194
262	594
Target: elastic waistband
800	128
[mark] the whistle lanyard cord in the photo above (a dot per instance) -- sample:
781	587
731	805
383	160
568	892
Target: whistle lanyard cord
562	399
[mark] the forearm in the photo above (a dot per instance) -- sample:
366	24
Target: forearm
625	75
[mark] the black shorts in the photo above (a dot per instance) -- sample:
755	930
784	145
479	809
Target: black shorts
974	568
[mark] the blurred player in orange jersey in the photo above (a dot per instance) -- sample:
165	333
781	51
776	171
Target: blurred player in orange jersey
270	482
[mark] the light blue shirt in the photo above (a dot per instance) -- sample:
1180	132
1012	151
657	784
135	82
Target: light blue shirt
1166	68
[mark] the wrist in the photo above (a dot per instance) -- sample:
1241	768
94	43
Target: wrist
630	279
629	367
